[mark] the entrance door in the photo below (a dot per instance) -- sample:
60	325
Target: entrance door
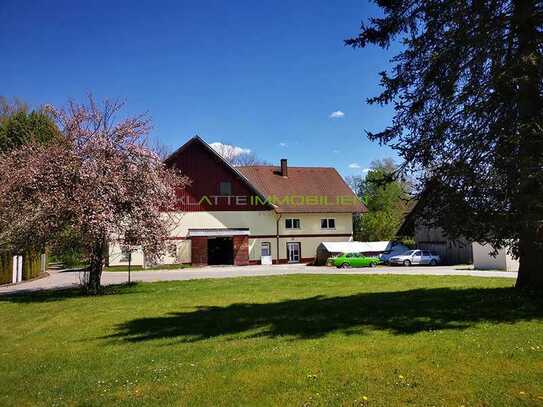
220	250
293	252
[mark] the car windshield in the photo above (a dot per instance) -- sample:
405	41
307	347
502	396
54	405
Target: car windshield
408	253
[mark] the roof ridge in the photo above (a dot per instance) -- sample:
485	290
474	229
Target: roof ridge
290	166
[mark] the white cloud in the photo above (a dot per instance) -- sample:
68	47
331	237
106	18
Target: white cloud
283	144
358	169
229	151
335	151
338	114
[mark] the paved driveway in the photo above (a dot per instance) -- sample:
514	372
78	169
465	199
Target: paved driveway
68	278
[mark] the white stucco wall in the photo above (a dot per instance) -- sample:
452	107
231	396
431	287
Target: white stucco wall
512	263
483	260
116	256
259	223
311	223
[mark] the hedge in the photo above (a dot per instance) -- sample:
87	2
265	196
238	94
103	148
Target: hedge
31	265
6	268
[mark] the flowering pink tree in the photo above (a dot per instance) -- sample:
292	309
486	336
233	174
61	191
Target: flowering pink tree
99	180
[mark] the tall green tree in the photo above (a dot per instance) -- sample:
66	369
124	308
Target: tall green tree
19	126
386	200
466	87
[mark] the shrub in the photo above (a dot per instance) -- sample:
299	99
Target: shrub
31	265
6	268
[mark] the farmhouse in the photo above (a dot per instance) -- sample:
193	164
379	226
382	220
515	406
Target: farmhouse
251	214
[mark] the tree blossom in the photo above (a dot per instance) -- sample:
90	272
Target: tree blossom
99	180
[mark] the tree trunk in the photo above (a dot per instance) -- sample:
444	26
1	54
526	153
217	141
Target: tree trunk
531	262
92	285
530	149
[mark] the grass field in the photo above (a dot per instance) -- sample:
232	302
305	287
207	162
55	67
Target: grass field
285	340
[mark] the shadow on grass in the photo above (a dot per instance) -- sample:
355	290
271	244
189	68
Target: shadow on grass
400	312
31	296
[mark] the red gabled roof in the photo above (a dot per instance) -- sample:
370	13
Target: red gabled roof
333	194
306	189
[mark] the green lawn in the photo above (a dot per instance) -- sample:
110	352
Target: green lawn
285	340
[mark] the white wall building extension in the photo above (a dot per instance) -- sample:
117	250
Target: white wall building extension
484	260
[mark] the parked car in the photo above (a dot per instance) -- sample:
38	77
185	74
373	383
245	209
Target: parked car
348	260
395	249
416	257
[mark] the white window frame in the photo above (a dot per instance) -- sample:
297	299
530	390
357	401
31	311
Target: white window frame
265	246
292	223
327	223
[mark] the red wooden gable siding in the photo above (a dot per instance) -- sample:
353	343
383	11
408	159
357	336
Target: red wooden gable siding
207	171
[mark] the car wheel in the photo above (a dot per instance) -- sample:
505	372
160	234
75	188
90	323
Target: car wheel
345	266
406	263
433	262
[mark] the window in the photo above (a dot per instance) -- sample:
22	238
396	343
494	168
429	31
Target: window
292	223
265	249
329	223
125	254
225	188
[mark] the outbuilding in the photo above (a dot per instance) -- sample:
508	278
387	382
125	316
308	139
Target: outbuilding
486	258
434	239
330	249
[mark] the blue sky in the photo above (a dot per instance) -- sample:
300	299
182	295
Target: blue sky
262	75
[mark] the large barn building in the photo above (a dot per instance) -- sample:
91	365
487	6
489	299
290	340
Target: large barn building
251	214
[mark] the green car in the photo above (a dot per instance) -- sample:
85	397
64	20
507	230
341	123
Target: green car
348	260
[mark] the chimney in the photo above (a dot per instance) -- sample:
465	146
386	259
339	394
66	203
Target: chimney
284	167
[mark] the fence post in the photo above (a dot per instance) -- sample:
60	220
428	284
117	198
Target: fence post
17	269
20	269
14	271
43	263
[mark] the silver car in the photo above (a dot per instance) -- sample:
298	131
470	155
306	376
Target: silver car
416	257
